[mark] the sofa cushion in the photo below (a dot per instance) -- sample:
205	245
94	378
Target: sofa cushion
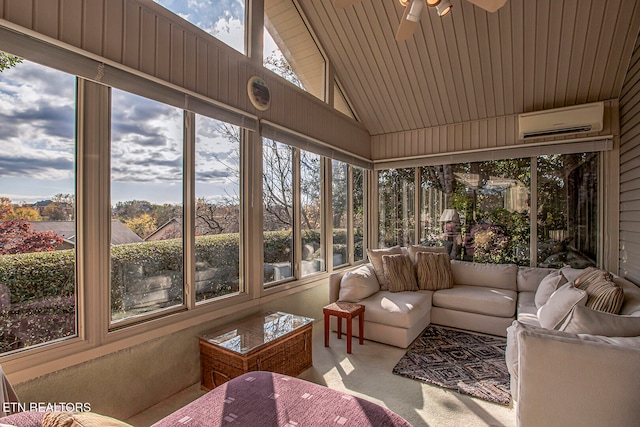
477	299
375	256
434	271
358	284
400	273
553	314
529	278
526	303
584	320
502	276
400	309
415	249
548	286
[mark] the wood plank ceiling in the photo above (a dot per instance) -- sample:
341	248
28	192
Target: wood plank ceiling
469	65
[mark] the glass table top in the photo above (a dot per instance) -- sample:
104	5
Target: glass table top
256	331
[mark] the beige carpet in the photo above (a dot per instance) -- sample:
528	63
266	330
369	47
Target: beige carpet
367	373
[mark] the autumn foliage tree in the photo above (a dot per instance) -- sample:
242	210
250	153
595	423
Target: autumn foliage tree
16	236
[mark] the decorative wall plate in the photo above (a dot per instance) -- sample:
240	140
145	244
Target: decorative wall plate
259	94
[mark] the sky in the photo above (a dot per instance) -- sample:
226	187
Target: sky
37	146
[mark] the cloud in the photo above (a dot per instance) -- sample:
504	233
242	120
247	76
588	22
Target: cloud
47	167
224	19
215	175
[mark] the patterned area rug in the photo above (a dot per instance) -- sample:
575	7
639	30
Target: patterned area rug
463	362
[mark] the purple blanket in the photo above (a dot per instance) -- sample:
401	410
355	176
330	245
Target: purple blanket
267	399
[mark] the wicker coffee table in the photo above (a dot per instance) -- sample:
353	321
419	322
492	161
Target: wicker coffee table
275	341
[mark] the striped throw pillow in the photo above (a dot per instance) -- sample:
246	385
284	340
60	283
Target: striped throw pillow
399	272
604	294
591	275
434	271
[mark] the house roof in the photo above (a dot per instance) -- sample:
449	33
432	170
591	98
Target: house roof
530	55
120	234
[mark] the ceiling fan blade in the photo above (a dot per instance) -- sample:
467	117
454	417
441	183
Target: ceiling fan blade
489	5
410	19
341	4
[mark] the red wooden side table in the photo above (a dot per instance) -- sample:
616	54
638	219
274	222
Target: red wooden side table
344	310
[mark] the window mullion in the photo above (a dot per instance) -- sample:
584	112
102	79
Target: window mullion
328	210
92	208
297	234
188	213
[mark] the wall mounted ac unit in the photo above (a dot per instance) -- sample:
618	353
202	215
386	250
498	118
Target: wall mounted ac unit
559	121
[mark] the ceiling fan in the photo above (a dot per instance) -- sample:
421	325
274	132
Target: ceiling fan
413	9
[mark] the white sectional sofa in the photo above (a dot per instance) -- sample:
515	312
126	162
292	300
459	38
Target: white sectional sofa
587	373
582	368
483	299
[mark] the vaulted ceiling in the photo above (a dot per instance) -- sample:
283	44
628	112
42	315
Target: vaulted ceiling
530	55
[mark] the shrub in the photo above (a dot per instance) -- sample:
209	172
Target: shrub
38	275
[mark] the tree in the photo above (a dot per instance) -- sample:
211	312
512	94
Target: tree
16	237
277	63
142	225
277	185
6	208
7	61
61	208
27	213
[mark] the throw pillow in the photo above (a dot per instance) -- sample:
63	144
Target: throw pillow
375	256
607	297
584	320
414	249
358	284
548	285
553	314
434	271
590	276
571	273
604	294
80	419
400	273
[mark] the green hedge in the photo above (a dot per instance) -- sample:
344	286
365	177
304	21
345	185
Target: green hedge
38	275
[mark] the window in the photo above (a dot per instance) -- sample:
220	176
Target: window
146	196
568	210
277	196
311	173
217	190
37	205
359	213
223	20
340	102
489	203
481	211
289	48
339	191
396	196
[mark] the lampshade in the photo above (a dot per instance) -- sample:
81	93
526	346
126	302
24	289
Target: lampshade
443	7
450	215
